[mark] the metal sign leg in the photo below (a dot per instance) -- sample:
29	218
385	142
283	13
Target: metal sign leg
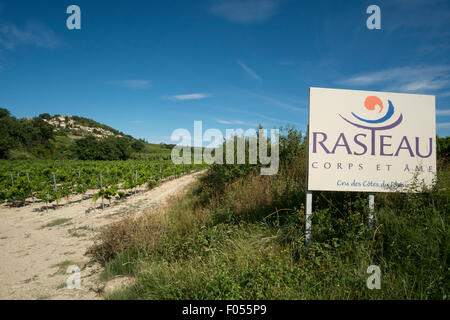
308	217
371	209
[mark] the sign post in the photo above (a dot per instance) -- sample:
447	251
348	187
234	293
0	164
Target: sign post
101	187
308	217
29	183
55	187
371	209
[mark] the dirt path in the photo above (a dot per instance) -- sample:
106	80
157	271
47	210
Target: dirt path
36	247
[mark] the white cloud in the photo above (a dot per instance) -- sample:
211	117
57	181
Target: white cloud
158	139
444	112
252	73
237	122
406	79
245	11
443	125
224	121
445	94
427	15
244	111
287	62
279	103
191	96
132	84
34	34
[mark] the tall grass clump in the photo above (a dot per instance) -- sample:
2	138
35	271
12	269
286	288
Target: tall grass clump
240	235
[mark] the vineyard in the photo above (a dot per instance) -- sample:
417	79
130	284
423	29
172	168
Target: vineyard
51	181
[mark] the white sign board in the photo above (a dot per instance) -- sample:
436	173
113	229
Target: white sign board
370	141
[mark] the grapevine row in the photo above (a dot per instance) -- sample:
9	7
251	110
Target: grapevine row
50	181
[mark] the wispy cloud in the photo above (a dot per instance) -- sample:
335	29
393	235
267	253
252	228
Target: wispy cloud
132	84
444	112
443	125
279	103
237	122
245	11
32	34
406	79
252	73
190	96
158	139
427	15
257	115
445	94
427	20
287	62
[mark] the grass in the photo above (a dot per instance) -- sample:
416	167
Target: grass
30	279
56	222
62	266
62	285
243	238
202	254
127	293
76	232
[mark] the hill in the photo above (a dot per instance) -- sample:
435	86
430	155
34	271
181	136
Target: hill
71	137
79	126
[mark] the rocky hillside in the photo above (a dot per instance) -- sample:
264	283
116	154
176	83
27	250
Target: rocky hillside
80	126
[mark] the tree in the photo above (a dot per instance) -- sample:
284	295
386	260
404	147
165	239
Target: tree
45	116
443	147
138	146
9	133
4	113
86	148
111	148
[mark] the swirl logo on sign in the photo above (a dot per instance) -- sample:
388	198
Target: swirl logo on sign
370	104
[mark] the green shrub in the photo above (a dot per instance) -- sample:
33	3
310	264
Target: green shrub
17	154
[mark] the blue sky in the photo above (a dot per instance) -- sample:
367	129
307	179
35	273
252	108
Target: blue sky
150	67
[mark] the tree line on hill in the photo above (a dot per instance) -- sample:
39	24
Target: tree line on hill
35	138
